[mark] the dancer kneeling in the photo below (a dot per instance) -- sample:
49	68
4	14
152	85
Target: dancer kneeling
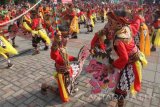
64	71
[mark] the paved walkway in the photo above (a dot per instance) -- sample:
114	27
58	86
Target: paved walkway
20	85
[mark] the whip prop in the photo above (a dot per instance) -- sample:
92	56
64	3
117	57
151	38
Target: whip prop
21	14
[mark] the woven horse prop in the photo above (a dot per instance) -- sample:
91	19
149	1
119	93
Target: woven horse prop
101	81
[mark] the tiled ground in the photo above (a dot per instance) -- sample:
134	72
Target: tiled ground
20	85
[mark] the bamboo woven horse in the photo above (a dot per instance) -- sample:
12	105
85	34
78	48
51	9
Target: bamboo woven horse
101	81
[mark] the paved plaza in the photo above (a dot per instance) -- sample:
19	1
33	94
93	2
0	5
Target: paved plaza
20	85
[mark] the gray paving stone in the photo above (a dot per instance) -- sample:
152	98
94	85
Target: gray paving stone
79	94
70	104
158	60
17	83
33	104
155	101
28	89
79	103
151	66
22	105
152	59
158	67
148	75
49	97
153	106
145	86
28	101
102	105
2	92
88	99
129	104
20	101
147	103
82	88
140	98
135	101
112	103
82	78
12	100
97	101
15	88
18	93
8	94
8	105
156	95
6	83
157	80
156	89
82	84
2	85
149	91
155	54
40	102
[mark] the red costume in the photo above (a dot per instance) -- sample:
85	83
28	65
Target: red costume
124	49
130	59
157	24
57	56
135	25
36	23
97	42
63	68
4	27
48	26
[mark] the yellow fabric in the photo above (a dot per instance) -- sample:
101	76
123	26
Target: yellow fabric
8	47
132	90
105	14
143	59
82	18
44	35
4	55
92	22
144	40
34	32
55	74
27	19
41	15
41	32
74	27
64	91
94	16
27	27
139	70
157	39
